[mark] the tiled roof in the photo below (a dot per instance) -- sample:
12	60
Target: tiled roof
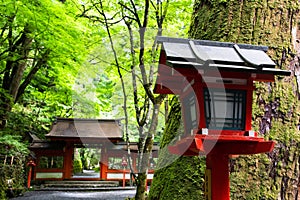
202	54
86	128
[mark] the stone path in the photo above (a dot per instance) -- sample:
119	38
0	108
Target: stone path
87	174
55	195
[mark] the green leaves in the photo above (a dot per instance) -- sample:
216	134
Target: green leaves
11	146
46	67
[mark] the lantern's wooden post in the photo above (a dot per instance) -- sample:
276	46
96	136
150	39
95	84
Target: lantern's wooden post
249	100
31	164
220	185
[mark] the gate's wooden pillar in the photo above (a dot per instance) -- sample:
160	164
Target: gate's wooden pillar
68	161
103	163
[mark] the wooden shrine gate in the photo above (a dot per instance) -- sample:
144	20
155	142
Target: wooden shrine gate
54	157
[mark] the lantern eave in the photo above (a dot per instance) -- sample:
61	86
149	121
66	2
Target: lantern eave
203	56
231	145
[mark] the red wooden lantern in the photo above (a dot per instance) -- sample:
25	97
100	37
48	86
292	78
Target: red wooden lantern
215	83
30	164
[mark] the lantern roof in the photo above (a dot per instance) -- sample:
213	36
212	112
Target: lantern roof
210	55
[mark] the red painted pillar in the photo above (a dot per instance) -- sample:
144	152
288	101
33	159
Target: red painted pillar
124	177
68	161
219	172
103	164
31	164
29	177
248	117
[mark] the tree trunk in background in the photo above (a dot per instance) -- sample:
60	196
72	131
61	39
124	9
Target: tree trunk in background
276	106
14	71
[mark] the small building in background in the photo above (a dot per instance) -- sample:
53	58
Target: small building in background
69	140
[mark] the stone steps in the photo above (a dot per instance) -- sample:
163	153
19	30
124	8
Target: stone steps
81	186
110	183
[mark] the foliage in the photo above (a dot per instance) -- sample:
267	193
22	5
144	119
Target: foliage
88	157
41	44
12	161
42	48
77	166
11	146
93	92
11	183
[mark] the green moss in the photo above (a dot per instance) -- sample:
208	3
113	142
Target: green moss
167	183
189	185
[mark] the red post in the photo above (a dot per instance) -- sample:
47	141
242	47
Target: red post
30	164
124	164
104	164
29	177
124	177
68	161
220	185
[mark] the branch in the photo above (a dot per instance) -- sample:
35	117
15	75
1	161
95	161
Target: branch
135	14
153	5
95	18
3	30
147	86
133	75
164	14
146	13
160	16
145	109
7	79
107	62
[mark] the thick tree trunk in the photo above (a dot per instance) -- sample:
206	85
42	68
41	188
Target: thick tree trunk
176	177
276	105
15	66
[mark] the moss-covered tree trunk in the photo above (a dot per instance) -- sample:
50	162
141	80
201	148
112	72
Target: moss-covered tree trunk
176	177
273	23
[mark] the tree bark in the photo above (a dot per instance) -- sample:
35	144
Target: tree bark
147	150
14	71
176	177
276	107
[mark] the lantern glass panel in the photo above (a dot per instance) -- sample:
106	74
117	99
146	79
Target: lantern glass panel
225	109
